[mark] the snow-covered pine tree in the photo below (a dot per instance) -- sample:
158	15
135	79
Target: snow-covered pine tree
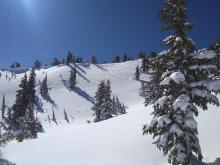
21	103
151	90
216	48
121	108
72	81
186	86
44	88
101	107
114	107
137	73
145	65
3	107
108	101
30	121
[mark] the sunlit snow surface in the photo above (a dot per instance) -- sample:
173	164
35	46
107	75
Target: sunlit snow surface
115	141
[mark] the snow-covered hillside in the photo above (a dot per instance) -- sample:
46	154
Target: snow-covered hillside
114	141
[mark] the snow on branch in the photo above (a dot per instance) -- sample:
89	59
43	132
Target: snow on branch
203	67
181	102
205	54
212	85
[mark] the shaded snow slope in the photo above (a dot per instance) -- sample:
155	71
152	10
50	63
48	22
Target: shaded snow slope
114	141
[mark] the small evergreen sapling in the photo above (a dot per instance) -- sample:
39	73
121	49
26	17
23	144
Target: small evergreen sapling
137	73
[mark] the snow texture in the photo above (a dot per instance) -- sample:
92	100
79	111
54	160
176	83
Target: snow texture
205	54
181	102
178	77
115	141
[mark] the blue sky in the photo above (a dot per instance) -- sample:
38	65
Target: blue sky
44	29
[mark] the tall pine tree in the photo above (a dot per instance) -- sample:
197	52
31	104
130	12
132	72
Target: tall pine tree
3	107
186	86
30	121
21	102
44	88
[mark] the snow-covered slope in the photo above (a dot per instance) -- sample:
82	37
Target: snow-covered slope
78	102
114	141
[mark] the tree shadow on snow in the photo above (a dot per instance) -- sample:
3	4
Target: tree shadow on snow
39	104
78	69
49	99
83	94
100	67
85	65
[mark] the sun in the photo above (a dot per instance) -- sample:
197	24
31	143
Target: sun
29	4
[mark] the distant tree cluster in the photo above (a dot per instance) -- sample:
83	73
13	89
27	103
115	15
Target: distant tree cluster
105	106
15	65
37	64
124	58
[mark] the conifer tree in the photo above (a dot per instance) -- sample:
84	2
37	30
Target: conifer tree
21	116
151	90
117	59
3	107
114	106
72	81
145	65
70	58
141	55
102	111
30	121
94	60
185	85
37	64
105	107
153	55
125	57
21	102
55	62
15	65
44	88
121	108
77	60
80	60
216	48
137	73
108	101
